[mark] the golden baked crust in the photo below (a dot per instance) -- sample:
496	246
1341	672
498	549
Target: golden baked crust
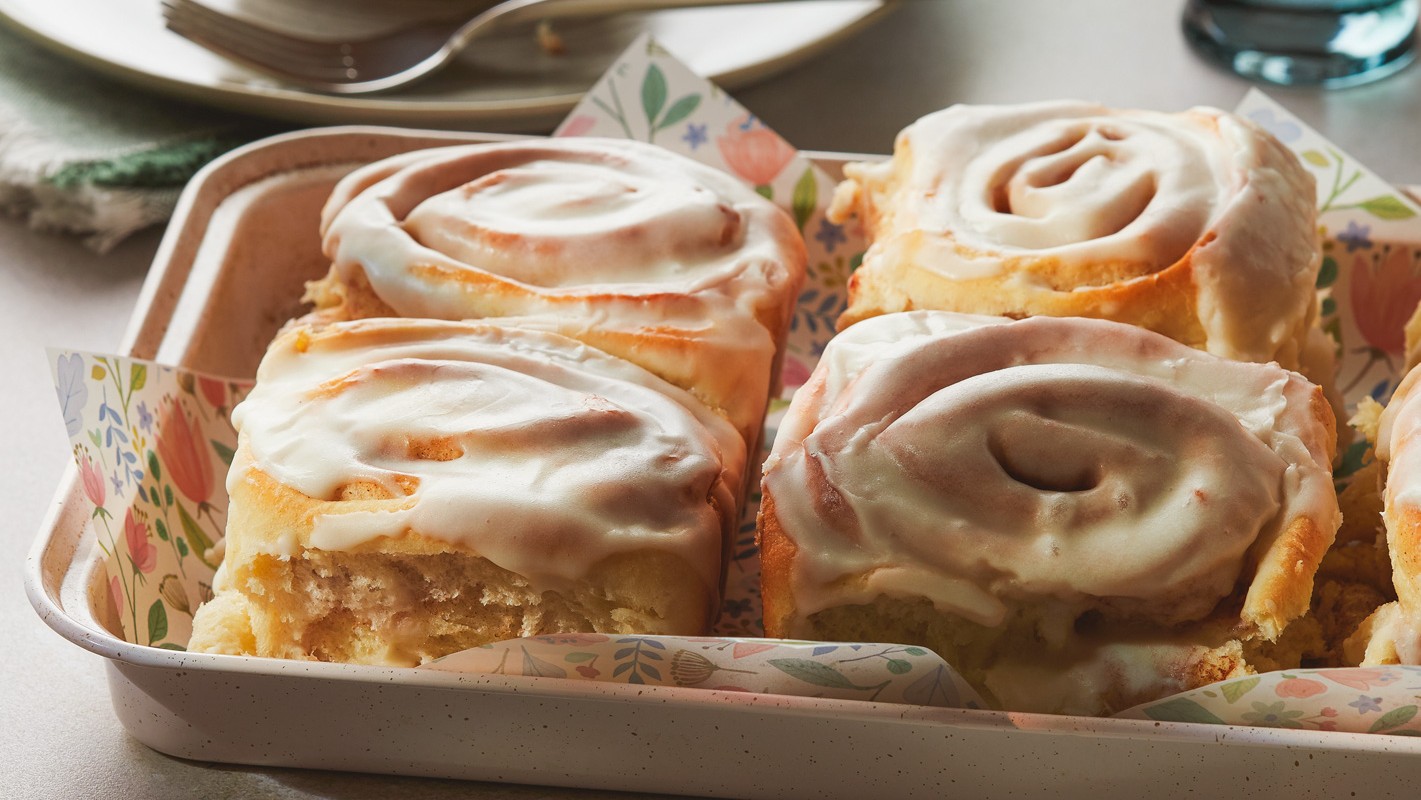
777	553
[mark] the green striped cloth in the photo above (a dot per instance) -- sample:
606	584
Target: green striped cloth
84	155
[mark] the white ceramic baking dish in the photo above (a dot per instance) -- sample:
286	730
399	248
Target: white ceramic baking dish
227	275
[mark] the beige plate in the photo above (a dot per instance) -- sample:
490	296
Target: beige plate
504	82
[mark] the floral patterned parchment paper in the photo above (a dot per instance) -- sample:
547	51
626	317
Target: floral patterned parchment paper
152	442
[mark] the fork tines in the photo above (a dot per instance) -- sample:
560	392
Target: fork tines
257	46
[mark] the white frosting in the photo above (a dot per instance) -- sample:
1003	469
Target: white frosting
975	461
621	223
556	455
1086	189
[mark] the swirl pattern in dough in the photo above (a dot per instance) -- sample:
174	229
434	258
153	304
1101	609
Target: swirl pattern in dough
1197	225
489	466
619	244
1043	476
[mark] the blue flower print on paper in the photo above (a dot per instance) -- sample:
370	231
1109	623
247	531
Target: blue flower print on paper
830	235
145	417
72	391
695	135
1363	704
1286	130
117	439
1356	237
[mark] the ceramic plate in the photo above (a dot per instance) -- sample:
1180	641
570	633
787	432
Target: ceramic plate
503	82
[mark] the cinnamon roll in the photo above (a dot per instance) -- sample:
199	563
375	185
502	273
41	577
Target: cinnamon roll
622	245
1078	514
1199	225
403	489
1392	635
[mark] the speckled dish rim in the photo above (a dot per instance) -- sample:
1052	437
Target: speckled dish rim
744	744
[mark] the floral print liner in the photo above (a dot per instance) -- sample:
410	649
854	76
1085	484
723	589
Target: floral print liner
886	673
152	443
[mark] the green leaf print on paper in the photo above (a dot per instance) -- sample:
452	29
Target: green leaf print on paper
223	452
806	197
1315	158
1236	689
196	536
157	622
1393	719
1351	459
1386	207
679	110
1327	274
653	94
137	377
1181	709
813	672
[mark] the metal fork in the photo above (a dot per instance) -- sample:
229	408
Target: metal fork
382	63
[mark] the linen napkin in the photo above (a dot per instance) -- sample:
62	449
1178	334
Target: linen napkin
86	155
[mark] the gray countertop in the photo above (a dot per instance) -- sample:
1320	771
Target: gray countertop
58	734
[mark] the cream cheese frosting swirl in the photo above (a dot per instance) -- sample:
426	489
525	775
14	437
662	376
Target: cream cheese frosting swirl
1198	225
541	454
621	244
986	464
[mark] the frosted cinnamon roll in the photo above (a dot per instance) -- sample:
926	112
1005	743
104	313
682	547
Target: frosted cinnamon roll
1199	225
403	489
1392	635
623	245
1078	514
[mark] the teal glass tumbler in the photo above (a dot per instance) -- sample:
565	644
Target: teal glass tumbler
1329	43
